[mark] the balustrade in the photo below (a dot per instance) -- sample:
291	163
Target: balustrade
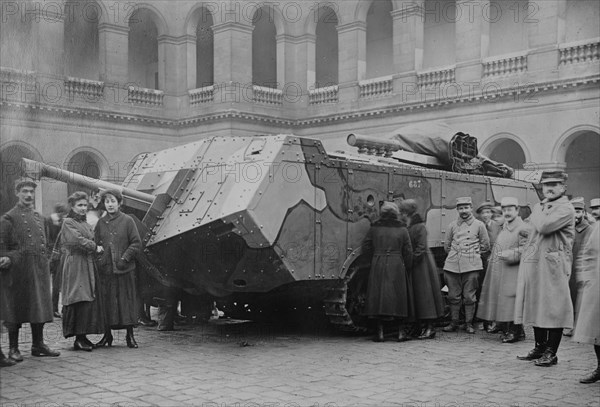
579	52
504	65
205	94
376	87
327	94
145	96
436	77
84	87
272	96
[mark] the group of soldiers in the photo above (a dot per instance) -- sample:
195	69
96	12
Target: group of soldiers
542	271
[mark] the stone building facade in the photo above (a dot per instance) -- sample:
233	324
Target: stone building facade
89	84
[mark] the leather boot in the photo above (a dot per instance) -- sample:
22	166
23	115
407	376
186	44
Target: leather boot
512	335
493	328
6	362
549	358
540	345
38	347
106	340
454	314
403	334
131	343
469	314
81	344
428	332
378	333
13	346
592	377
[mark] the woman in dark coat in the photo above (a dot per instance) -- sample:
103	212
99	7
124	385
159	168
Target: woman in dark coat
389	293
429	304
116	231
82	305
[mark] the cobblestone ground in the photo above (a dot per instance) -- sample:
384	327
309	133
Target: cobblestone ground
266	365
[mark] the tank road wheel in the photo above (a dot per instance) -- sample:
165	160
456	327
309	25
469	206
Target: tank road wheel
346	300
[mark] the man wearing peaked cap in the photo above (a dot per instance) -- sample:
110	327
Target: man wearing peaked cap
582	231
595	207
499	288
466	239
543	298
24	262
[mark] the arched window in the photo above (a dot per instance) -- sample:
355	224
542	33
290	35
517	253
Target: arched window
204	49
439	33
143	50
583	166
81	40
508	26
86	164
379	39
583	20
326	48
264	48
10	168
510	153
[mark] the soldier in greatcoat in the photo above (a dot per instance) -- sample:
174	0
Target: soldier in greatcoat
543	299
587	328
582	231
25	279
497	301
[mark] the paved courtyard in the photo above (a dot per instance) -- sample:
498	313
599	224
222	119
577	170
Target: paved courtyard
256	365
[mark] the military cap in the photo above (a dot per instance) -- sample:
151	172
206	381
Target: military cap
464	200
594	203
24	181
390	207
485	205
497	210
409	206
509	201
578	203
553	176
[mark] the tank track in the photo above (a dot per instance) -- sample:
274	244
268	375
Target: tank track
343	309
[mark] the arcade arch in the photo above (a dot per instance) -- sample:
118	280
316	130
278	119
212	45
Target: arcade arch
507	149
81	40
264	48
439	36
143	66
580	151
88	163
380	39
326	48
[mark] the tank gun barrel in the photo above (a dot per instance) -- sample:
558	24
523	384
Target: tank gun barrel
373	145
131	197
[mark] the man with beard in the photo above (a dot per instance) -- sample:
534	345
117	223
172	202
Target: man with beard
595	207
466	239
25	279
582	231
543	299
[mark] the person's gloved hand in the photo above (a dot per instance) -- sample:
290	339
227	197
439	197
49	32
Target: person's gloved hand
122	264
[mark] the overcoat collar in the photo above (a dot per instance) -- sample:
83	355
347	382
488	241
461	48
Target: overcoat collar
583	225
468	221
511	226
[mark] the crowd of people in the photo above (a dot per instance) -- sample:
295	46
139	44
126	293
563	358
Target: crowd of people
500	270
505	272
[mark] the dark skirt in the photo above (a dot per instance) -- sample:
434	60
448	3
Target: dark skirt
429	303
389	290
119	295
85	317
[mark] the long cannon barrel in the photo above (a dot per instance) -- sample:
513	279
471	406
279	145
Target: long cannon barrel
131	197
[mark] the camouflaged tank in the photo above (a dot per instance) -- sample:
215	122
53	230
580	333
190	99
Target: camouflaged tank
266	220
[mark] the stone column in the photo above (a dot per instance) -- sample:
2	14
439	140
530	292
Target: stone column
113	53
292	69
408	34
472	39
546	29
190	57
49	34
233	62
352	45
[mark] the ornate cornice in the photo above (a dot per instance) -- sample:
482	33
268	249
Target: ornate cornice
492	94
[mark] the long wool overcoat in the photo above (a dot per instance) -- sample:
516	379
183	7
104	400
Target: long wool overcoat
428	300
78	276
25	286
497	302
389	290
543	299
587	326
